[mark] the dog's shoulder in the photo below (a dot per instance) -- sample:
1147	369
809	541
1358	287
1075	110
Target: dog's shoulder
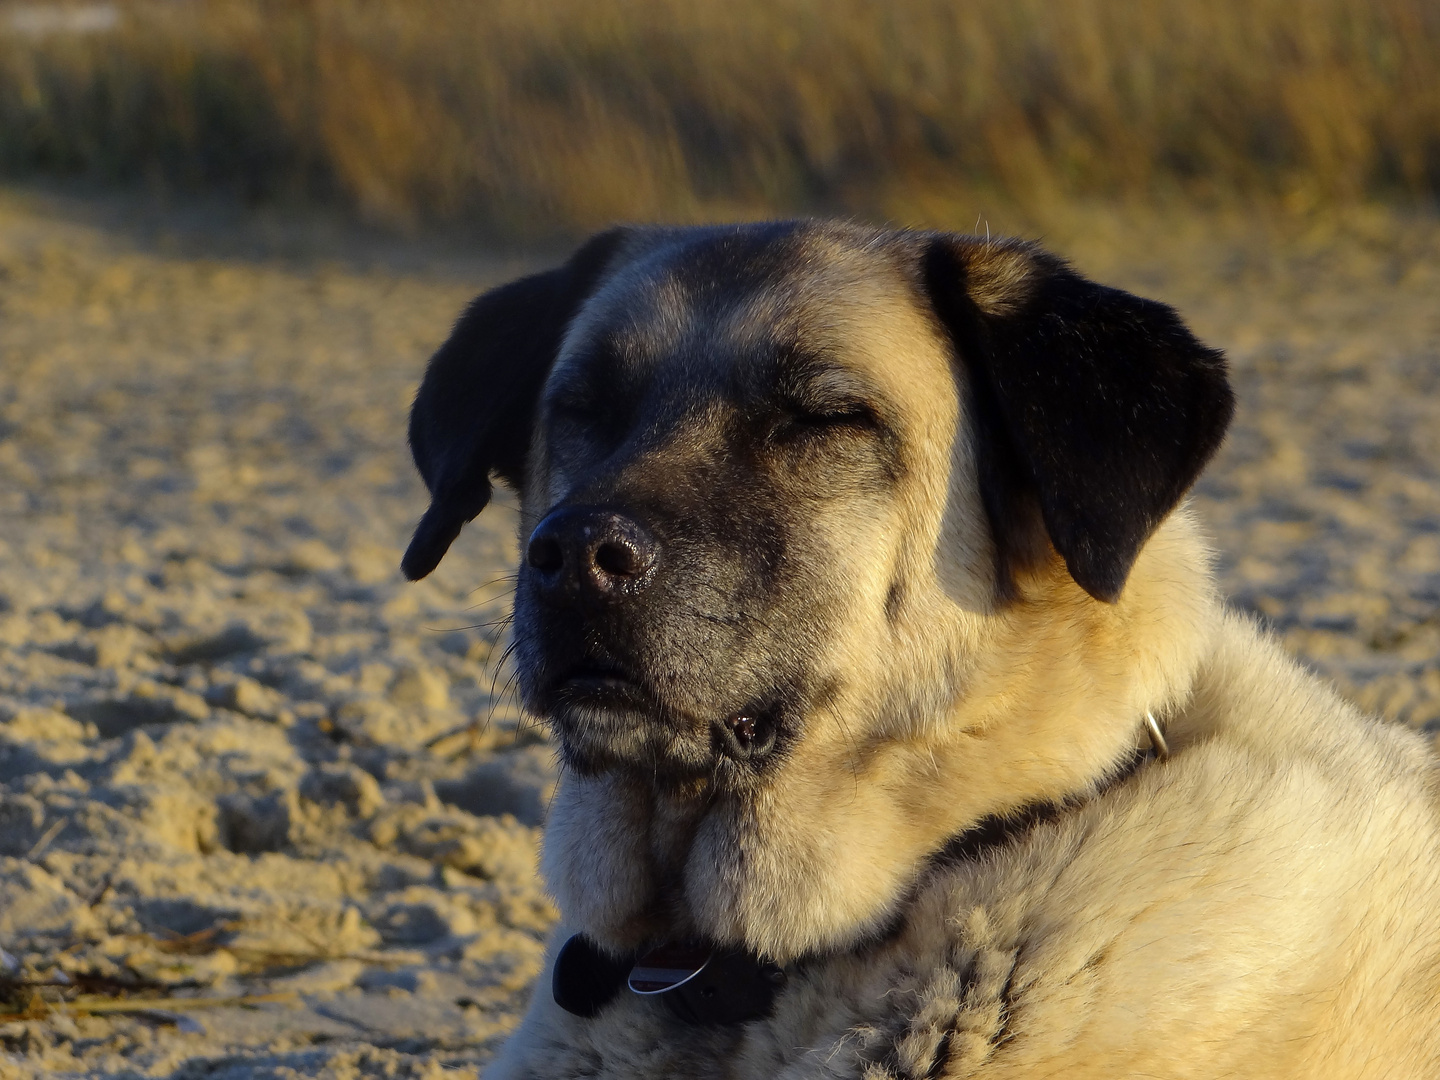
1283	858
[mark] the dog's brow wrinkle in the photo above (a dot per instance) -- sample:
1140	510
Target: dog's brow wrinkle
803	375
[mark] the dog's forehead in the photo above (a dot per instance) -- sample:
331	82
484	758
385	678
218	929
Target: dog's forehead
713	299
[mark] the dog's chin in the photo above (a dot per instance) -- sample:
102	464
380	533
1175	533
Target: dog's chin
600	739
606	721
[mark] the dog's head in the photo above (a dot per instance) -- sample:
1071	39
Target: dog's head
804	507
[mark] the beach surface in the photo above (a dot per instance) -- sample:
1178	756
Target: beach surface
267	810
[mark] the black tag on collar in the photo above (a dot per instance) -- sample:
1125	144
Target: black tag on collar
586	979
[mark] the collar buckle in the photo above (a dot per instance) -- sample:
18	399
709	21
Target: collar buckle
1157	736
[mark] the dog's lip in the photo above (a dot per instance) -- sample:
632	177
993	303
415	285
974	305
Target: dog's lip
598	678
610	697
606	718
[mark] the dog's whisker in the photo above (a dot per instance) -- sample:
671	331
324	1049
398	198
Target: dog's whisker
509	578
468	626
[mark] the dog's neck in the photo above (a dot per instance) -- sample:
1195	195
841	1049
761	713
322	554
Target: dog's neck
824	858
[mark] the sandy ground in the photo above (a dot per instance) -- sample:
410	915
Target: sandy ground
242	762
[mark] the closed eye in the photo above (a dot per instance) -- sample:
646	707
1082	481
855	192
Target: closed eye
847	414
580	407
574	409
588	423
814	392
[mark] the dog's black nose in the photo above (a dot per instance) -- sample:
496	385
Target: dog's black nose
592	550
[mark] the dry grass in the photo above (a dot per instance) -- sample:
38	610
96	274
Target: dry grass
536	116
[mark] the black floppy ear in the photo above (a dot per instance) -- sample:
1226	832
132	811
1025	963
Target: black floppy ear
1097	407
474	411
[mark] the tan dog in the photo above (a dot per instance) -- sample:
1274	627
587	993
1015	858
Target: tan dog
856	593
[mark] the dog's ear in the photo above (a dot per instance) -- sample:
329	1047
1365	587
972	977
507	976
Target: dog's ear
1095	409
474	412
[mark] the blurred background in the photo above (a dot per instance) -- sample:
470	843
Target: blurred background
240	758
525	119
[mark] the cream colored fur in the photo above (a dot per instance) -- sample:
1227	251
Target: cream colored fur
1259	905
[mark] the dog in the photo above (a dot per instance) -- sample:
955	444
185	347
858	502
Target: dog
904	733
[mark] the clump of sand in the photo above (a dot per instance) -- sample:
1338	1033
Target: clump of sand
240	758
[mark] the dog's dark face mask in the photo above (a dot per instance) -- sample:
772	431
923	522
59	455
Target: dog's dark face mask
701	450
677	587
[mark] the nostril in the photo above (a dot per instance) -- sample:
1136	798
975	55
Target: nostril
618	559
545	555
580	551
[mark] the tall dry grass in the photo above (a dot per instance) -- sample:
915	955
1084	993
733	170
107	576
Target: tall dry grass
549	116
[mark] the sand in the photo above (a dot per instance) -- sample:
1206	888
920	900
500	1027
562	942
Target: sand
250	775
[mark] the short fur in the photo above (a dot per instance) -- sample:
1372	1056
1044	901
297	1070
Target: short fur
909	505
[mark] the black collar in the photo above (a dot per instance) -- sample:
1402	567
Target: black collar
727	986
997	830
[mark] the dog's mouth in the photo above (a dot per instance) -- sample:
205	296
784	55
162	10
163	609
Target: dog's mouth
599	683
607	715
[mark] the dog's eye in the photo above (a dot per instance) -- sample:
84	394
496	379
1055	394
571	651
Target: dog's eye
850	415
585	425
576	410
570	405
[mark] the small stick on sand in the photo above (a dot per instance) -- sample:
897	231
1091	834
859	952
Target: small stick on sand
88	1005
